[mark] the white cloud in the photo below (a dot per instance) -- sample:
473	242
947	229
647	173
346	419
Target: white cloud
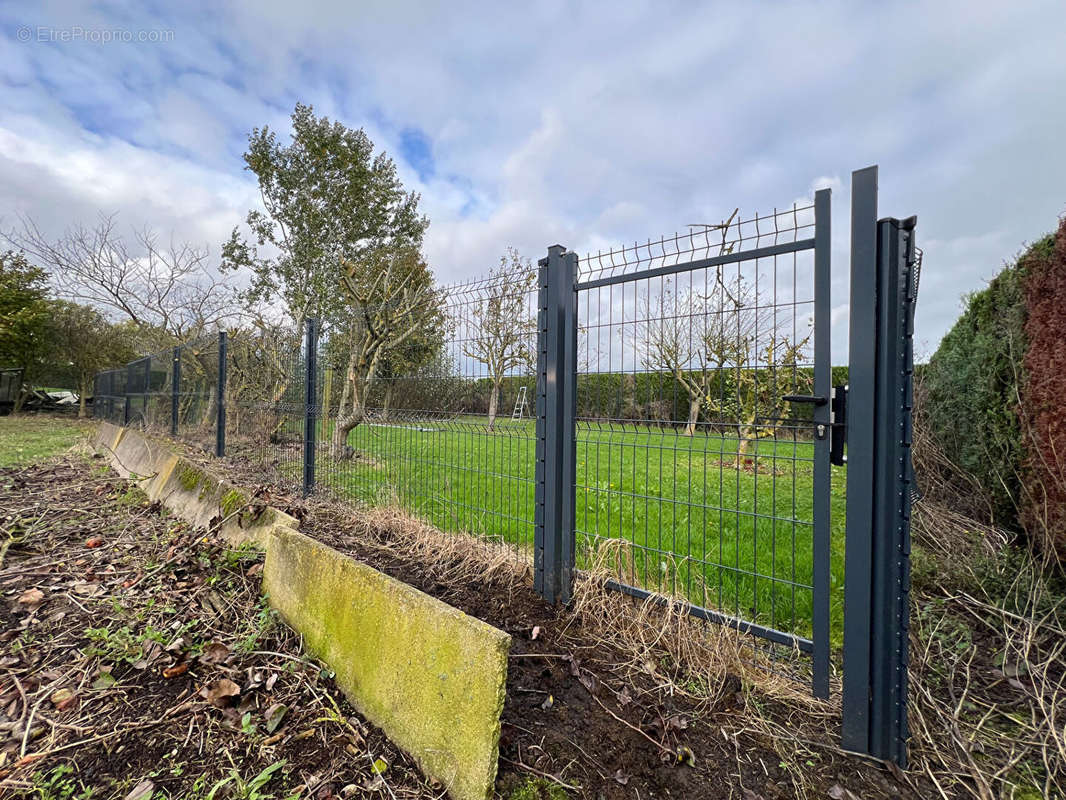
587	124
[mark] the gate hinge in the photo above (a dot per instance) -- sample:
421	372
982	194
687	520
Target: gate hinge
838	423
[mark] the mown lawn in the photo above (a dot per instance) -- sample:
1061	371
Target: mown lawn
27	438
736	539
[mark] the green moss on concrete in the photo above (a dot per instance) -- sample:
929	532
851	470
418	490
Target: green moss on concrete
190	477
538	789
232	501
431	677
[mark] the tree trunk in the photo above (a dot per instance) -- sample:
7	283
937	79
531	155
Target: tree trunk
347	421
494	403
387	402
693	415
83	389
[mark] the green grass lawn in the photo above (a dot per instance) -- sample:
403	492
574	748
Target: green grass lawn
26	438
738	540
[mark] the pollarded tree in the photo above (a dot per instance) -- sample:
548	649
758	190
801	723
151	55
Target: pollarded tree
735	360
392	301
503	329
696	337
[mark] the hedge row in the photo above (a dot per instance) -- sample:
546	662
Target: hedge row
994	393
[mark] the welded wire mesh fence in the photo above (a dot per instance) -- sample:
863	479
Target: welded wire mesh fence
691	457
691	466
664	409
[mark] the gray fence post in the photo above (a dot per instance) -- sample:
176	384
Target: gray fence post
556	406
220	401
880	481
310	408
175	390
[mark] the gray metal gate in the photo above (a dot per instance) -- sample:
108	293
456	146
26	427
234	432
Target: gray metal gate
688	430
684	424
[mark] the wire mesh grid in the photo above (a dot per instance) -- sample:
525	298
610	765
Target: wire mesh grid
198	368
444	428
691	464
265	406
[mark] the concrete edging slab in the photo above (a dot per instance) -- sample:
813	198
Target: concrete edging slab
431	677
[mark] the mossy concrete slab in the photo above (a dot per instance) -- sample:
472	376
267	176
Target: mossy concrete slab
431	677
190	492
107	439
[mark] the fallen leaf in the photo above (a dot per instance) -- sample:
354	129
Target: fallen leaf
379	766
31	597
621	777
274	715
214	653
676	723
61	698
624	697
838	792
95	541
142	791
175	670
271	681
219	693
686	756
105	681
589	681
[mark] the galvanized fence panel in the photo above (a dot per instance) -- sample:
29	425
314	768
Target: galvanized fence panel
702	411
444	430
662	410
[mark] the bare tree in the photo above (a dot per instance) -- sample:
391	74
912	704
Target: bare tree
504	329
393	300
695	337
163	287
733	362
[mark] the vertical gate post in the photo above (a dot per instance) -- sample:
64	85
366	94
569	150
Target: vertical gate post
884	283
822	473
310	409
556	401
175	389
220	401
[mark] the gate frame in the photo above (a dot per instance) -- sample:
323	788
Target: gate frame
884	288
556	455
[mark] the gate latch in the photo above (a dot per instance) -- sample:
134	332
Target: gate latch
838	421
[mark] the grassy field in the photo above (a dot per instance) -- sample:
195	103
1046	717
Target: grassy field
26	438
691	522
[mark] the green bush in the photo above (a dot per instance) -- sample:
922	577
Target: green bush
971	390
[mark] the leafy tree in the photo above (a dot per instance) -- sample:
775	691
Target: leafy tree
86	342
25	338
503	328
328	200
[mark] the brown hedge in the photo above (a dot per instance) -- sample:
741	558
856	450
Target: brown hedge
1042	410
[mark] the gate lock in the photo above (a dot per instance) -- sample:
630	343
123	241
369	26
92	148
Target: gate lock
838	420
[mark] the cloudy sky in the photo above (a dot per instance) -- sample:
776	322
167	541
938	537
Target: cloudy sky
580	123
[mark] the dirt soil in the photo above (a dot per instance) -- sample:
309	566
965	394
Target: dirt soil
136	658
578	714
135	650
